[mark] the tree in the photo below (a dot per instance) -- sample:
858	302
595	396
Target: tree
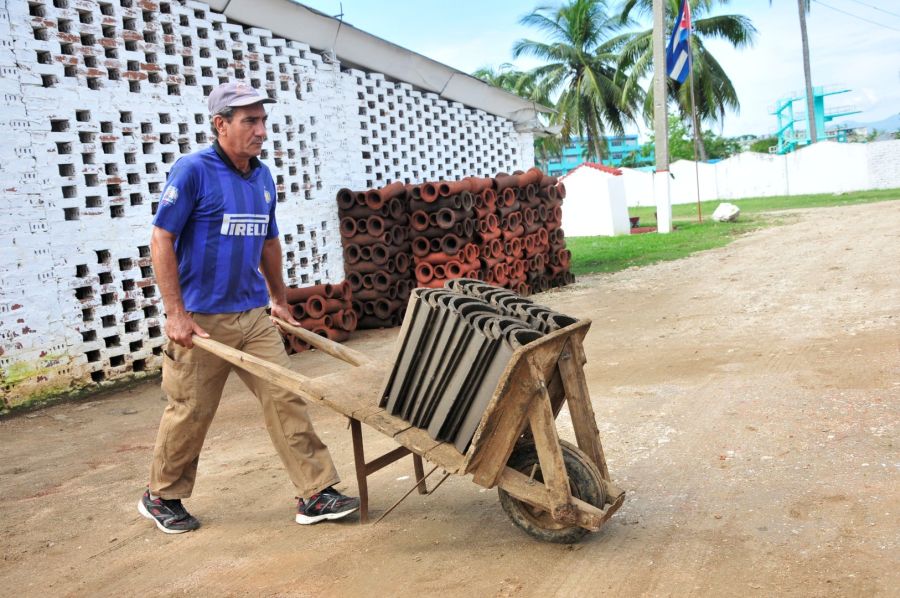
715	93
803	7
522	83
762	145
681	143
580	70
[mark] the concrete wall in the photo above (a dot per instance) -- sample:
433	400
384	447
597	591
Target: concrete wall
825	167
101	98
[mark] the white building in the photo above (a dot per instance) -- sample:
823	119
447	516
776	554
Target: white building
595	202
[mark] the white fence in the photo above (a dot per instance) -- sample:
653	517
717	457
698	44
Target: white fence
825	167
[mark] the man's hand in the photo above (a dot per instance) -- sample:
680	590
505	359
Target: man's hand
180	328
283	312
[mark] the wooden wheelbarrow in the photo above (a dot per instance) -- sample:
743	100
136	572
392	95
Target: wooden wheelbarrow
551	489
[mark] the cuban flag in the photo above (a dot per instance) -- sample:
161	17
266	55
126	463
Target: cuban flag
678	55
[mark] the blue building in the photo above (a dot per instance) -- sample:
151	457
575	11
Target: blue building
618	148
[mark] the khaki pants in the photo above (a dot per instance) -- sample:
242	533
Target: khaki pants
193	380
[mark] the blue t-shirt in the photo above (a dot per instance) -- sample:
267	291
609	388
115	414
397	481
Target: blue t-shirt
221	220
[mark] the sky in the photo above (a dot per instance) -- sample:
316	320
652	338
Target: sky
859	52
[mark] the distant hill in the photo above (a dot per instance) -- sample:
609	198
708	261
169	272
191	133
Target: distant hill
889	124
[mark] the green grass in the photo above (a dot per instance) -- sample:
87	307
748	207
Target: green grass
611	254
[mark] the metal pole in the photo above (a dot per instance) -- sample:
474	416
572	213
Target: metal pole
696	122
661	125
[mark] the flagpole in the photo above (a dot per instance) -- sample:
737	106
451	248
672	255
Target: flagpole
661	126
694	121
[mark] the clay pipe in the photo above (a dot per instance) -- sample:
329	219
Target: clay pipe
345	199
446	188
348	227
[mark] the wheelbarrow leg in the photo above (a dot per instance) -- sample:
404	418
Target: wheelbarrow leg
359	460
420	474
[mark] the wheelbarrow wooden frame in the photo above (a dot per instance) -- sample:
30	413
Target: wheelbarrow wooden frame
541	377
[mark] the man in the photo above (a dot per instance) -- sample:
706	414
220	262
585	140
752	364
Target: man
217	260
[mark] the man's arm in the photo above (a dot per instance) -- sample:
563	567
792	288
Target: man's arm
270	266
180	327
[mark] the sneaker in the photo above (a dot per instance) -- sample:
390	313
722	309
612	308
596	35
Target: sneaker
170	517
327	504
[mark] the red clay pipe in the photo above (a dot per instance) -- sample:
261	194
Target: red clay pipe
451	244
401	263
395	208
375	225
434	258
446	188
356	212
502	182
381	281
365	239
315	306
419	220
532	176
346	319
414	191
489	196
298	310
294	295
424	272
434	283
383	308
360	198
343	291
547	181
345	199
373	200
452	269
434	245
479	184
400	234
348	227
561	190
429	192
389	192
313	323
444	218
508	197
421	246
355	280
368	294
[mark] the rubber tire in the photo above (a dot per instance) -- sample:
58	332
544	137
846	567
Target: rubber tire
584	481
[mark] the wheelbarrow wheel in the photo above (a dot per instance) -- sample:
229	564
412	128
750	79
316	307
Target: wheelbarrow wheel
585	483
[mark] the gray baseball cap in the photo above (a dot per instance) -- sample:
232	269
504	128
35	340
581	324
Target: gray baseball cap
234	95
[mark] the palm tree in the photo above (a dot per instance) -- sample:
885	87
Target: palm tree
803	8
522	83
580	69
715	92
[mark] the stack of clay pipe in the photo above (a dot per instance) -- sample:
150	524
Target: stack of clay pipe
374	228
503	230
557	258
442	227
325	309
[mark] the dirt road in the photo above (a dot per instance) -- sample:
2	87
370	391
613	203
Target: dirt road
748	398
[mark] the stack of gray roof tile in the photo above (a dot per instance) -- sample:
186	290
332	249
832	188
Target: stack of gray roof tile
456	343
